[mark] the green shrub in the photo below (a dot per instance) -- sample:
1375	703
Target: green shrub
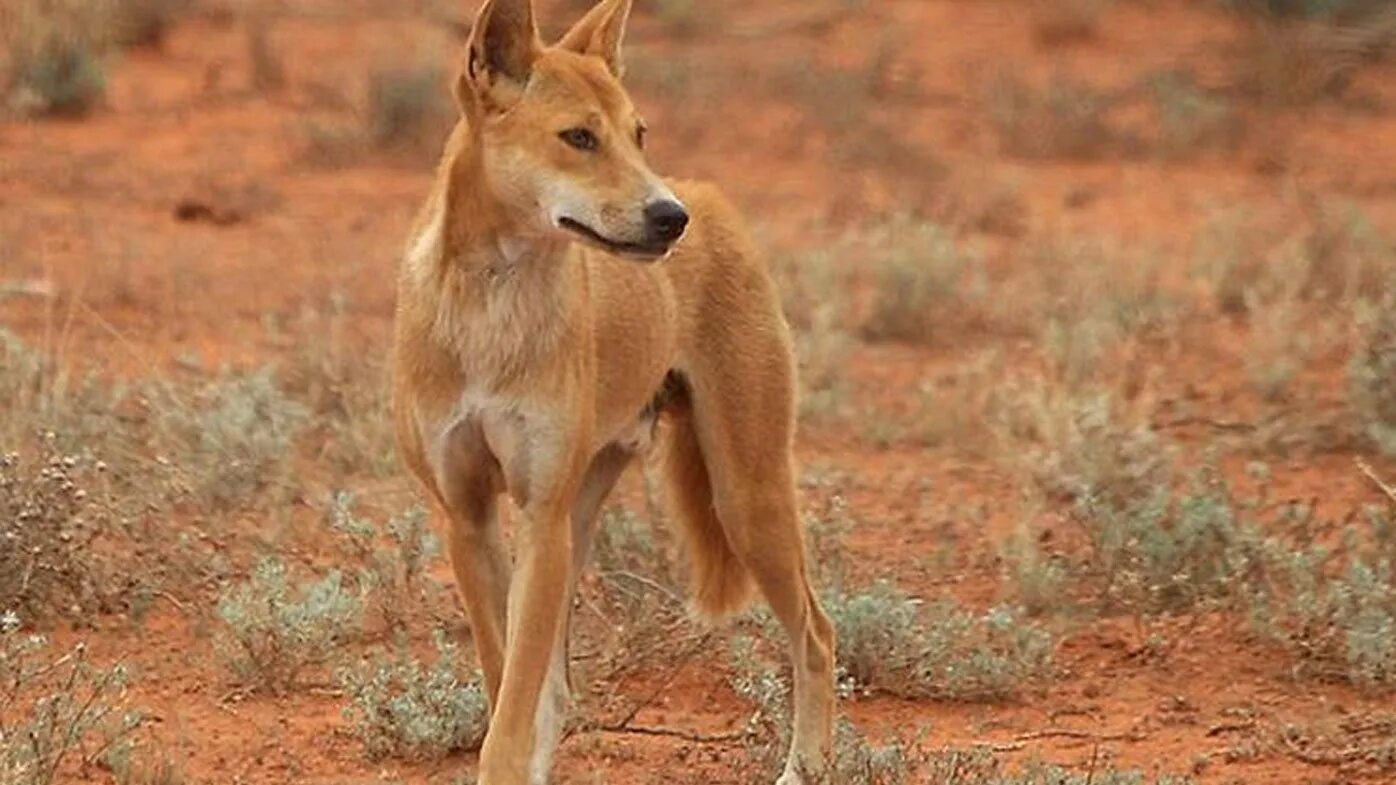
1334	609
272	632
403	708
889	643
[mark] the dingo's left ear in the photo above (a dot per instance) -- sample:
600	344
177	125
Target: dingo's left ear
600	32
499	57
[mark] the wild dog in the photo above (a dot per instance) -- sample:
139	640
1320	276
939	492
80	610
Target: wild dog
557	300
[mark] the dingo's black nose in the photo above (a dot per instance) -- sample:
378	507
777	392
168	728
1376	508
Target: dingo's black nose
665	220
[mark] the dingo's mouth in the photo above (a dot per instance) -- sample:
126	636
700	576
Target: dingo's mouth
647	251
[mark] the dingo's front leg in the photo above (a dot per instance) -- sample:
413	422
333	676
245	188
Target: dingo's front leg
543	471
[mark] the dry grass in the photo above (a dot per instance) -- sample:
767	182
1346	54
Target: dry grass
925	279
812	287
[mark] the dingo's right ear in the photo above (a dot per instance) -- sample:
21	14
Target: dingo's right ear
499	57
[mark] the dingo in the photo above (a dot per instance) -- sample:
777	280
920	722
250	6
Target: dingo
559	305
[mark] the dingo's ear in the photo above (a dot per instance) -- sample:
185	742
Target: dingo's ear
600	32
499	58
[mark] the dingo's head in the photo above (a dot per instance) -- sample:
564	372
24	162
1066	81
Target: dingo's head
560	144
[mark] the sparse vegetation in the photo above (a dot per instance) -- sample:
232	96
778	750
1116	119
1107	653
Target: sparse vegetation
56	712
889	642
812	295
232	437
854	760
391	558
981	767
404	708
1064	119
1037	405
1333	608
1371	372
1192	120
51	511
273	630
56	52
924	278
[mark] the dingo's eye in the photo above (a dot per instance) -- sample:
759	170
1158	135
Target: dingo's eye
640	135
580	138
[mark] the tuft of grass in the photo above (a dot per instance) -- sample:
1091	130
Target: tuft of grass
1064	119
924	278
400	707
889	642
391	557
56	51
80	716
272	631
1371	372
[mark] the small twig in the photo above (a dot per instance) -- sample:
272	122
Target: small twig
642	580
173	600
1386	489
1068	733
649	730
1021	739
39	289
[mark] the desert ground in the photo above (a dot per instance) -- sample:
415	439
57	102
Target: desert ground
1095	315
